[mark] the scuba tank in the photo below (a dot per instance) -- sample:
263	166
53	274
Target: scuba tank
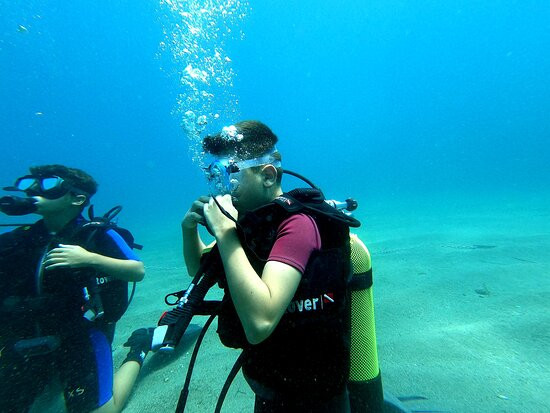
365	382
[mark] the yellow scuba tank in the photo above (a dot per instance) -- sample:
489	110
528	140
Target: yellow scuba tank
364	383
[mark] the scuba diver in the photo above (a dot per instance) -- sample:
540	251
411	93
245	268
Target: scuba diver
63	286
285	268
298	297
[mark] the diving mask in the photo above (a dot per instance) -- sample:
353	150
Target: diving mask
224	174
49	187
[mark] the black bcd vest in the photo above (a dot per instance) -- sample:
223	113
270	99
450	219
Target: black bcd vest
54	301
309	349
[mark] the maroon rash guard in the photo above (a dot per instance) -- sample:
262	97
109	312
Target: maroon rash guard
297	237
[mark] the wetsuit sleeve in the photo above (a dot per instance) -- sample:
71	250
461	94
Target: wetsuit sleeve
6	242
15	259
111	244
297	237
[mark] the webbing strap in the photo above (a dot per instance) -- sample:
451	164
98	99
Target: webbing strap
361	281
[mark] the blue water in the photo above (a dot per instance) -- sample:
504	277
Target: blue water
376	100
416	97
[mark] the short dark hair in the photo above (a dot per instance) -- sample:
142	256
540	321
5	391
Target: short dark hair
257	139
73	176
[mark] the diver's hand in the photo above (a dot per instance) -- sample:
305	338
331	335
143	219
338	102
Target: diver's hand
68	256
195	216
141	339
217	221
140	344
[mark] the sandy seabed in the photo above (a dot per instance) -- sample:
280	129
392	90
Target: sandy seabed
462	295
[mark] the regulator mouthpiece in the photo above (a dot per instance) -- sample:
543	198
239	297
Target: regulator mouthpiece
14	205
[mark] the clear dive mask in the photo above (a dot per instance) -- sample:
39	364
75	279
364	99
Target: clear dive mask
224	174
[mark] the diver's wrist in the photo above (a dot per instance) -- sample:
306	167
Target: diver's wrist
188	224
225	232
92	260
188	228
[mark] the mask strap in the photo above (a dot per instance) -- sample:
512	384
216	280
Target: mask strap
268	158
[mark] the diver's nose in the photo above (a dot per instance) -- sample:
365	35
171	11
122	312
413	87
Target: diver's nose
33	190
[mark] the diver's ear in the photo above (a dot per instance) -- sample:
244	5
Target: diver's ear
269	175
79	200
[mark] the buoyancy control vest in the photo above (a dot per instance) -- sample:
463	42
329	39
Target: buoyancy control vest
37	296
108	297
307	355
112	294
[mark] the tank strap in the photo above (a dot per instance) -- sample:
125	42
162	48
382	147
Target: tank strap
361	281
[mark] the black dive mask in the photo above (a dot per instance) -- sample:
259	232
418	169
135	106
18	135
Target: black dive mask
49	187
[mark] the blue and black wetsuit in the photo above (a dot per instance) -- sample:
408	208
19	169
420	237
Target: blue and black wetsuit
44	333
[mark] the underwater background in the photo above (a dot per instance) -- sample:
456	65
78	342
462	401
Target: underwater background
434	116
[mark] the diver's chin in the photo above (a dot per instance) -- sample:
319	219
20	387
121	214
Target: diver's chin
235	202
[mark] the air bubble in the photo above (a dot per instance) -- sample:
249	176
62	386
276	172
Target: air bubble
196	33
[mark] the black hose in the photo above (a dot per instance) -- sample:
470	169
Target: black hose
182	401
234	370
303	178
